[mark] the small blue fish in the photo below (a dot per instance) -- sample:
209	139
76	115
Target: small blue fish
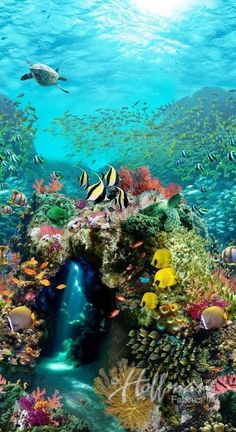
144	280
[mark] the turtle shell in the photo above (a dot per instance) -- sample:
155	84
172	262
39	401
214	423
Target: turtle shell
43	74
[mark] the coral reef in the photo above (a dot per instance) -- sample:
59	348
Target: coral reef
35	411
182	357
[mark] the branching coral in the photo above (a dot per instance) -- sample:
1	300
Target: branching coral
140	180
119	392
54	186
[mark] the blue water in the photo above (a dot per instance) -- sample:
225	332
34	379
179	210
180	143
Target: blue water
114	53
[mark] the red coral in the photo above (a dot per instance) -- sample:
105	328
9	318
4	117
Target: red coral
54	186
140	180
225	383
170	190
126	179
195	309
39	186
50	230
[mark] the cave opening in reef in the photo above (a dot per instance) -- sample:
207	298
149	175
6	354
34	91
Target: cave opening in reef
76	316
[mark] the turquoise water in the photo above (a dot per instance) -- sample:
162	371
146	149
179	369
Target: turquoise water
146	80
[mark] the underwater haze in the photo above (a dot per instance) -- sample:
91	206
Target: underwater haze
117	216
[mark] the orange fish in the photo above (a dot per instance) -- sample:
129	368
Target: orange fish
29	271
16	281
142	255
44	265
32	262
45	282
114	313
61	286
138	244
120	298
40	275
129	267
129	277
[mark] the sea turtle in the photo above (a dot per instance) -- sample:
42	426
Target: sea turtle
44	75
168	209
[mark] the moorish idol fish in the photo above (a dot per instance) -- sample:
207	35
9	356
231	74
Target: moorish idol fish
96	191
121	198
199	167
231	156
111	178
84	179
37	160
212	157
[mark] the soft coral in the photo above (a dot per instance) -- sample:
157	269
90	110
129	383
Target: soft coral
140	180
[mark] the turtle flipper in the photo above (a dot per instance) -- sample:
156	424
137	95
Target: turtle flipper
62	78
26	76
65	91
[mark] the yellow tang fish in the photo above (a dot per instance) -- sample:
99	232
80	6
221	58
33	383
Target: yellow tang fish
21	318
213	317
149	301
161	258
165	277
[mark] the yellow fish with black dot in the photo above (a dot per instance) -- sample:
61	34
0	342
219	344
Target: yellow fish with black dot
149	301
165	277
161	258
213	317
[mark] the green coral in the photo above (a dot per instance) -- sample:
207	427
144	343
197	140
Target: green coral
142	226
71	424
228	406
181	357
57	214
8	398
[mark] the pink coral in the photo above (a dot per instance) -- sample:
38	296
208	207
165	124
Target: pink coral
224	383
2	383
50	230
54	186
39	186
